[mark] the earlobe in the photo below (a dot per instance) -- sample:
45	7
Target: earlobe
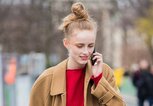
65	43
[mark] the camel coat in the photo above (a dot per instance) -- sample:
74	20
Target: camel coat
50	88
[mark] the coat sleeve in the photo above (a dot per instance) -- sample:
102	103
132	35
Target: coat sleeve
40	92
106	91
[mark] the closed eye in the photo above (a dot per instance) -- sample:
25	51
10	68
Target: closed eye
91	45
80	46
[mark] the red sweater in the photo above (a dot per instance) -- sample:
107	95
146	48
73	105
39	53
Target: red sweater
75	86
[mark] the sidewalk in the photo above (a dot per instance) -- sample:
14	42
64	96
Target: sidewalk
130	100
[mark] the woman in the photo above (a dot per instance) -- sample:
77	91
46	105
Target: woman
75	82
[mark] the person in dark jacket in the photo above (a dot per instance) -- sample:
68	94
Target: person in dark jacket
150	83
142	80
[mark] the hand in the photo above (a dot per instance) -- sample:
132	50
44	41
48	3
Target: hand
97	67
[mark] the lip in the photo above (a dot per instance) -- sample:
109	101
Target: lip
84	57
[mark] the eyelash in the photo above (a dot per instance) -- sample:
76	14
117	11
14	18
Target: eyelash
90	46
79	46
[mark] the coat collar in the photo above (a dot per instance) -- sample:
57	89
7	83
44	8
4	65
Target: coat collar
58	84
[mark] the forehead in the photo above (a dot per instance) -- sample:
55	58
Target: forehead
83	36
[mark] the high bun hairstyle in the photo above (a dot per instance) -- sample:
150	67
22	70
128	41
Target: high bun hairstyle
78	19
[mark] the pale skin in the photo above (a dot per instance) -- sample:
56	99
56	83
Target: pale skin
80	45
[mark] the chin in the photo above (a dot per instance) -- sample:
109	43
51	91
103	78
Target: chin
83	62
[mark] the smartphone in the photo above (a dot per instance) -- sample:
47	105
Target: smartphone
92	56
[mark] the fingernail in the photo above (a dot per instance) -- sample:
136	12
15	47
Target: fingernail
95	63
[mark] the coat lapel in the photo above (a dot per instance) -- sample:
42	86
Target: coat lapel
58	85
87	80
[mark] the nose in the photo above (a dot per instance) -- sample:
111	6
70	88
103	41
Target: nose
85	50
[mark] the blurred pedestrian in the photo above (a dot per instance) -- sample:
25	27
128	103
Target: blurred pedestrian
151	69
143	81
75	82
150	81
9	77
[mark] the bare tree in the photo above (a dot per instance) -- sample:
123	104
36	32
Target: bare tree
4	13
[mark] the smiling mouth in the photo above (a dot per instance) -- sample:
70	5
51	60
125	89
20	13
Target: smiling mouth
84	57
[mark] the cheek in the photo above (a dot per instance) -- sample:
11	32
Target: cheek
91	51
74	51
77	51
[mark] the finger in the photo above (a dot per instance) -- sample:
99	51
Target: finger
98	61
96	53
97	57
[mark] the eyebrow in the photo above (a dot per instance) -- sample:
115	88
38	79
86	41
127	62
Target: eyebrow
83	43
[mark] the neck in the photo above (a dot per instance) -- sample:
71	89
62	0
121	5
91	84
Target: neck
73	64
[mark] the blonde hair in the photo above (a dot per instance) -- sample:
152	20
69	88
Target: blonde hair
79	19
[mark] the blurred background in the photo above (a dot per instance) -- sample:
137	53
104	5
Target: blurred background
31	42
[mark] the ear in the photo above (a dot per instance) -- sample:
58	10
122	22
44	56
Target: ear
66	43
